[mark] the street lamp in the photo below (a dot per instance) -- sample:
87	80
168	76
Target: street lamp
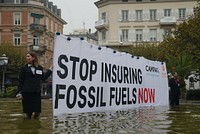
3	63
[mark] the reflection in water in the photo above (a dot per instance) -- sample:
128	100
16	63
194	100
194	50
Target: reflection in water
29	126
13	121
130	121
185	119
154	120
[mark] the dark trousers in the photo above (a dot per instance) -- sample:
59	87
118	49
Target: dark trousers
174	99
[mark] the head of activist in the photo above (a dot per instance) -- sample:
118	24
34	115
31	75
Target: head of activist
30	77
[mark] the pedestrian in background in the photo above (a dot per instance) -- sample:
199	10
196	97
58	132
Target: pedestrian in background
174	85
29	86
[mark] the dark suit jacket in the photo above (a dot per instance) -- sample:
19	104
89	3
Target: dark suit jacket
29	82
175	89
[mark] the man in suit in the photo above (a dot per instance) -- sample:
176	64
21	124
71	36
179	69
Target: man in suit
174	84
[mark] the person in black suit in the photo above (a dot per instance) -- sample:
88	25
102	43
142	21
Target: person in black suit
174	89
30	77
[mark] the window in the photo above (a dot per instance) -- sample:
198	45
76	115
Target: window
124	36
124	15
104	37
36	20
37	17
52	26
138	0
153	14
103	16
17	18
139	15
35	40
182	13
153	35
167	12
24	1
124	0
139	34
17	1
17	39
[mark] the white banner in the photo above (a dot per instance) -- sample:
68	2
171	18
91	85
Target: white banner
89	78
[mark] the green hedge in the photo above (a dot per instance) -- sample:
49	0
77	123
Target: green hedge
193	95
10	92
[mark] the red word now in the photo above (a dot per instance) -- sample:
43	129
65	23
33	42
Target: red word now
146	95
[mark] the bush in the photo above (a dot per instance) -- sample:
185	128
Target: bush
10	92
3	95
193	95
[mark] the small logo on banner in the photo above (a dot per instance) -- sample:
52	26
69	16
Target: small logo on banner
152	71
164	74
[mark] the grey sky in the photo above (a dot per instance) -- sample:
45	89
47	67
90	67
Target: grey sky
76	13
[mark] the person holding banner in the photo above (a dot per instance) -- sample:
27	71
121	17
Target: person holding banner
30	77
174	84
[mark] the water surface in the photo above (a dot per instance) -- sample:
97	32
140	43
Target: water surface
183	119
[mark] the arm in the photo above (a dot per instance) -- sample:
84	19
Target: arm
46	74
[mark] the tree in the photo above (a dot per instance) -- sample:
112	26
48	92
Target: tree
147	50
182	41
15	55
183	48
16	58
182	64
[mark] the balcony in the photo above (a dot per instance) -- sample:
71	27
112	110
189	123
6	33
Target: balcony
39	49
168	21
101	25
37	28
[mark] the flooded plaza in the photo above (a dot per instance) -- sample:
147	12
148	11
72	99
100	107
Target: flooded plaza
183	119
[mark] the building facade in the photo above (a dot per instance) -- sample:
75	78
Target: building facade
128	22
30	25
85	34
